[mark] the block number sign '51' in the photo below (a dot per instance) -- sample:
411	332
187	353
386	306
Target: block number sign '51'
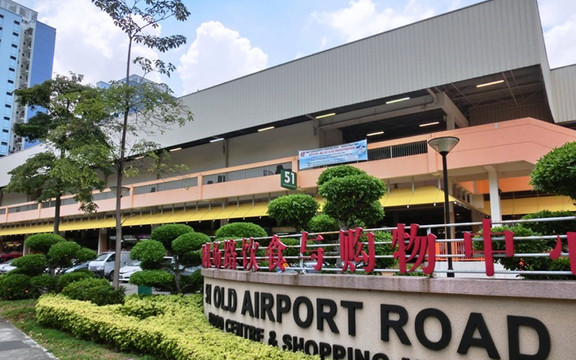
288	179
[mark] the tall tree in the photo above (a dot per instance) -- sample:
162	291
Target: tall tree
76	147
146	105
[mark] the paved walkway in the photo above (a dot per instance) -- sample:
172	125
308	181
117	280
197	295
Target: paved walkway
15	345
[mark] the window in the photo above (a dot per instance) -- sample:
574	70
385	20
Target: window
8	106
10	81
14	46
16	22
12	57
5	131
4	143
15	34
11	69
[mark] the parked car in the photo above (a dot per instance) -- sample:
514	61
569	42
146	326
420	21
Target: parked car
103	266
80	266
128	270
8	256
6	267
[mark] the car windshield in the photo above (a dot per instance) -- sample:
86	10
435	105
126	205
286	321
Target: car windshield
102	257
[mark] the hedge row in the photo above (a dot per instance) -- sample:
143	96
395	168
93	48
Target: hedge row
170	327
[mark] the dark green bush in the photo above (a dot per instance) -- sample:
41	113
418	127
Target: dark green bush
151	254
42	242
322	223
62	254
239	230
187	248
158	279
85	254
524	247
338	172
97	291
192	283
384	249
550	227
168	233
66	279
44	283
31	265
293	210
189	242
291	251
17	286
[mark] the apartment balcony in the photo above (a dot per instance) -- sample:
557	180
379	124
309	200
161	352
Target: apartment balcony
509	148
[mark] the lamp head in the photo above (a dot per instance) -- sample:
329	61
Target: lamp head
443	144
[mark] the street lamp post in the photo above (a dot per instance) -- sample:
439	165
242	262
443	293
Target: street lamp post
443	145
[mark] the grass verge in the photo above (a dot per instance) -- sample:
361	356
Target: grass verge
22	314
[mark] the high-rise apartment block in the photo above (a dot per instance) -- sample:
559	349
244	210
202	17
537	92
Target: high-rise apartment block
26	58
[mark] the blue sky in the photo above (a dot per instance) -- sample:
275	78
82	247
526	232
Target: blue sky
232	38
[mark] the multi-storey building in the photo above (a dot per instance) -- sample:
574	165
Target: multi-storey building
26	57
479	73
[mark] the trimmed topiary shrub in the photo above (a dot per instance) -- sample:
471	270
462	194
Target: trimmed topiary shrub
239	230
339	171
97	291
44	283
192	283
294	210
323	223
31	265
42	242
85	254
66	279
168	233
17	286
151	254
61	255
384	249
159	279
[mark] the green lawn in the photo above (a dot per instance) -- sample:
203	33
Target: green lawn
22	314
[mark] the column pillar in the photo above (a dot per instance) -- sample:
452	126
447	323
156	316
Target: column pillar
495	208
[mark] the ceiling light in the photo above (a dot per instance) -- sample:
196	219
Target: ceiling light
325	115
429	124
266	128
175	149
375	133
217	139
397	100
490	83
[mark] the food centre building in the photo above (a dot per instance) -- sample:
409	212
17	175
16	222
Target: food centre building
479	73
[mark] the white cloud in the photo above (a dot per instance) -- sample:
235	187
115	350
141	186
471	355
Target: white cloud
559	22
87	41
361	18
218	54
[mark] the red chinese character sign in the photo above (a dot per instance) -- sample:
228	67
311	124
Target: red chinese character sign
414	248
352	250
358	250
315	254
489	251
275	253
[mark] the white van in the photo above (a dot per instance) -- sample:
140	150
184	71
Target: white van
103	266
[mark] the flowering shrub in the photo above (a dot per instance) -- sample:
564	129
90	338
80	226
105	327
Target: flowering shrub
16	286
